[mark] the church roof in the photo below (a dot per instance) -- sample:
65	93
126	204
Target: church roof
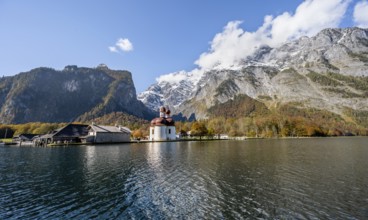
163	121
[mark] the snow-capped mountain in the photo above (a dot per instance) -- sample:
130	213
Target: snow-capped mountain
170	90
328	71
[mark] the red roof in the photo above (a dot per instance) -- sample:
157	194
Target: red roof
162	122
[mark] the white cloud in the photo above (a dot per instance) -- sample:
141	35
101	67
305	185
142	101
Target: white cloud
123	44
173	77
361	14
177	77
113	49
233	44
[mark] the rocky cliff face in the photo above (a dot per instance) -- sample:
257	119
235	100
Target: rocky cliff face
73	94
172	90
328	71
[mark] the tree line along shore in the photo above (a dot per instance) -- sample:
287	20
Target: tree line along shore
259	127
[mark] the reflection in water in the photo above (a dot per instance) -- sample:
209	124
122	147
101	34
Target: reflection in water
90	157
323	178
167	187
154	156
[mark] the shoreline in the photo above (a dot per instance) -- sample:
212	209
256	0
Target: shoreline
110	143
178	140
135	142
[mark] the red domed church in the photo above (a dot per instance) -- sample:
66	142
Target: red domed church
163	127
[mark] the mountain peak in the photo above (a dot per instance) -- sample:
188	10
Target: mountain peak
45	95
102	66
70	68
323	71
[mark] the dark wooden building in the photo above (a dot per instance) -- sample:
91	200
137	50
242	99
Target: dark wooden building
71	133
24	138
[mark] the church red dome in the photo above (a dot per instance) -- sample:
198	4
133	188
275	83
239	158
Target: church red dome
162	122
158	122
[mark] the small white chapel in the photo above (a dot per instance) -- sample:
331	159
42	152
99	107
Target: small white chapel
163	127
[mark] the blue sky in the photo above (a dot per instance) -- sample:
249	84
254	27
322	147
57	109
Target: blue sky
165	35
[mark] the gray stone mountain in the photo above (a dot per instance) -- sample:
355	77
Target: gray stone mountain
328	71
73	94
165	92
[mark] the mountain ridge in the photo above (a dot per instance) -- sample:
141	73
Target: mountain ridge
72	94
327	71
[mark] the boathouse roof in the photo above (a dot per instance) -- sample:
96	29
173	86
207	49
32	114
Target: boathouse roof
25	137
70	130
109	129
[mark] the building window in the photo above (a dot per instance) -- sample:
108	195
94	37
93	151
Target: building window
153	131
169	131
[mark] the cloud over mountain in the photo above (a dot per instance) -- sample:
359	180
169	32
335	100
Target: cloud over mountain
233	44
361	14
229	48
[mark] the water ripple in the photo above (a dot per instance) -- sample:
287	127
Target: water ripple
284	179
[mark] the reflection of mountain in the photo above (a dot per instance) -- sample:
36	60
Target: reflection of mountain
328	71
47	95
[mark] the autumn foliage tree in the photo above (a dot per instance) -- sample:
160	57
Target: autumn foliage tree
199	129
217	126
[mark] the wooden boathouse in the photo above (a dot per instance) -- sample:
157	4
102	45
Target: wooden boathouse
71	133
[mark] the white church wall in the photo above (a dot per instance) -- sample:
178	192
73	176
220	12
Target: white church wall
170	132
162	133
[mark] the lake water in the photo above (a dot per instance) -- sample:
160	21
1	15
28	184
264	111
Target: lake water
318	178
